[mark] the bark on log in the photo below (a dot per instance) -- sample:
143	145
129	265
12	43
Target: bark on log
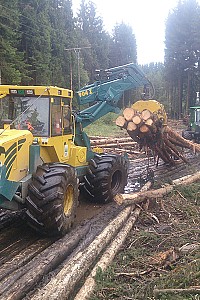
118	144
112	140
24	257
19	283
121	150
139	197
192	291
108	256
193	146
64	282
187	179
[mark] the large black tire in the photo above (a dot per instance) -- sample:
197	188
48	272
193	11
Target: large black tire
52	199
107	176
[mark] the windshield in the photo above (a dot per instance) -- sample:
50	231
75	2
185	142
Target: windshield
198	116
27	113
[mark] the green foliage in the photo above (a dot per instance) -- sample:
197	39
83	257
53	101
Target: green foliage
42	43
124	49
155	72
12	63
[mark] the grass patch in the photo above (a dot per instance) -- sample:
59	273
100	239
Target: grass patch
155	255
105	127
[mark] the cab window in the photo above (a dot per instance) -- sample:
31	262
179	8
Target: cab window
27	113
56	117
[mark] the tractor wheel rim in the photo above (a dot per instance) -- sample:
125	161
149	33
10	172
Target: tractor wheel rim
68	199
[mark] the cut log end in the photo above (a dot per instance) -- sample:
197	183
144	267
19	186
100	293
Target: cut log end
120	121
128	113
146	114
136	119
131	126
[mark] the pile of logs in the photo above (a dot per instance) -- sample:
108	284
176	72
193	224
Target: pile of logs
115	145
150	131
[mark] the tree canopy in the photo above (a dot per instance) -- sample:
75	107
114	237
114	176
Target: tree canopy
182	55
41	42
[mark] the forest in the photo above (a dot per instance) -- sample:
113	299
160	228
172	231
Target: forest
43	43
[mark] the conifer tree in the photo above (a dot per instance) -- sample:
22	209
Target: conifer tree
12	64
36	39
124	49
182	55
92	34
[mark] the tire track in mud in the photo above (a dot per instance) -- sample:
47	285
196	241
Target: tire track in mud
28	261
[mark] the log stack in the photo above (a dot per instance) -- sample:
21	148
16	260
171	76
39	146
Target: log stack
149	129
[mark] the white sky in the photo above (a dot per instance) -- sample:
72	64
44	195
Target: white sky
147	19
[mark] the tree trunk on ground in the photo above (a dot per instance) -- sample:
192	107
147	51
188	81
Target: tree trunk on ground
17	285
191	291
62	285
107	257
139	197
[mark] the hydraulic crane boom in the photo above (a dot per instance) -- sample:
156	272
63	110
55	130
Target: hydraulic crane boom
108	90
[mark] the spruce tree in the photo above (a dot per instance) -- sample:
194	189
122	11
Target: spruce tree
12	64
35	42
182	55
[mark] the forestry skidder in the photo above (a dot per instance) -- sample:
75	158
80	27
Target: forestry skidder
44	151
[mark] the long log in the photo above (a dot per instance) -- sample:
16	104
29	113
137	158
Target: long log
108	256
193	146
61	286
121	150
23	257
19	283
111	145
139	197
189	291
110	140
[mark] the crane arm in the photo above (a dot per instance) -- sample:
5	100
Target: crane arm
108	90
